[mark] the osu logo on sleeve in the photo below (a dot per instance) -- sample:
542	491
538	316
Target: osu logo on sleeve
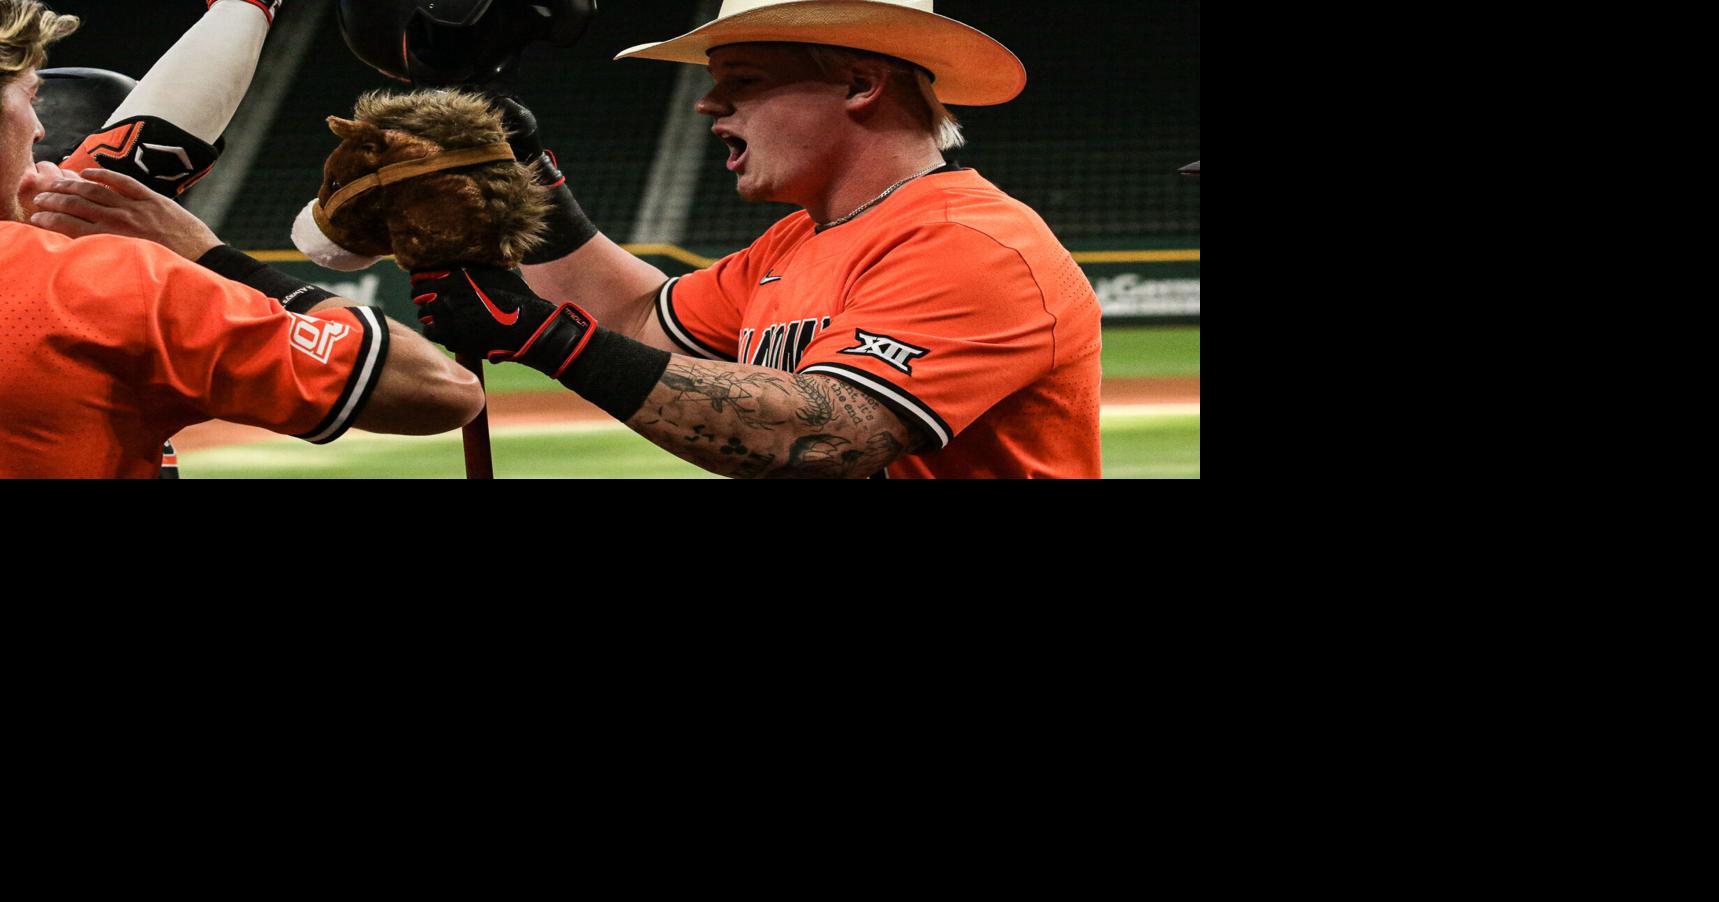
317	337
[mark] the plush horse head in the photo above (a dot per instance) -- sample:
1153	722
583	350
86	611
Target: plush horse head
428	177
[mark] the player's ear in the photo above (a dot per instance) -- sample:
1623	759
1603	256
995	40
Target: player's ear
867	80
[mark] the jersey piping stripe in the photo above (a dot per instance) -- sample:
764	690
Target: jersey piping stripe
888	390
679	333
365	375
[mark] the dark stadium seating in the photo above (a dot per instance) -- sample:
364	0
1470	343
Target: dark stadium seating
1111	110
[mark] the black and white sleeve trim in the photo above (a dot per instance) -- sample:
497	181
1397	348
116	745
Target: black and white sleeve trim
679	333
889	392
372	354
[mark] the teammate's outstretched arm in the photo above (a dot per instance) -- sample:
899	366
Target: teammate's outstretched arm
103	202
200	81
98	201
186	100
729	418
420	391
577	262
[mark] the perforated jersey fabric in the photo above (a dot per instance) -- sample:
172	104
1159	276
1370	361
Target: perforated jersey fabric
109	345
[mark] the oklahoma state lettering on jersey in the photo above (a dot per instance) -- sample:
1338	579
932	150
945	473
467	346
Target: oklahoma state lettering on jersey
779	345
950	301
110	345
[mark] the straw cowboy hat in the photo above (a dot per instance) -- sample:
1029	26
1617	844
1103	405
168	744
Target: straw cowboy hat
969	67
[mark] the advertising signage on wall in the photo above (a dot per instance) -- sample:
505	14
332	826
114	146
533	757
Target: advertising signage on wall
1135	286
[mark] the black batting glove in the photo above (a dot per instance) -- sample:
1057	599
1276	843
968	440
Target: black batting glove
527	144
569	227
492	313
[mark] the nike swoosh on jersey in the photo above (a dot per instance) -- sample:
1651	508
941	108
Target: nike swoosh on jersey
768	279
506	319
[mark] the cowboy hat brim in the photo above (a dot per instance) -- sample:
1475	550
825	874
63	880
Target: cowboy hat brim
969	67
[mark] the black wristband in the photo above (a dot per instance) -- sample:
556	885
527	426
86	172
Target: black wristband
294	294
616	373
569	228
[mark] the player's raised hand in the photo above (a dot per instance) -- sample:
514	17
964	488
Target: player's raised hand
36	180
569	227
100	202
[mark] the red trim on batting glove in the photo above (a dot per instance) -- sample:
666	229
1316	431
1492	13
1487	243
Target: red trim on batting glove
590	329
267	6
556	164
427	276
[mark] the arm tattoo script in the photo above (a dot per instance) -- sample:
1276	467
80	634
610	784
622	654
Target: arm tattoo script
750	422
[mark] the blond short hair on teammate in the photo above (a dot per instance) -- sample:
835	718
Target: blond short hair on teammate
27	28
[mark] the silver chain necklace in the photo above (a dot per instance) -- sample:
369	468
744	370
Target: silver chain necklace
878	199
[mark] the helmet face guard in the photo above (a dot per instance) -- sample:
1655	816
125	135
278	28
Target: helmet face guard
439	43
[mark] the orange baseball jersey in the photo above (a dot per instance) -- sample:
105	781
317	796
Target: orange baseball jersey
950	301
110	345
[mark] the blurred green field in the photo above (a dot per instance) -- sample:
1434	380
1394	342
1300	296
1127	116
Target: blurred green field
1139	352
1136	444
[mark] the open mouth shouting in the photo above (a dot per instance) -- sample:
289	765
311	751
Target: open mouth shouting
736	151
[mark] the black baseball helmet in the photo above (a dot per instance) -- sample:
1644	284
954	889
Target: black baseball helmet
457	42
75	103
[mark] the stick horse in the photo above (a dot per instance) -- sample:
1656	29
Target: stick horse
427	177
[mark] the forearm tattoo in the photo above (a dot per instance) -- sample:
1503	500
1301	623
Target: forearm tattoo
834	457
750	423
742	394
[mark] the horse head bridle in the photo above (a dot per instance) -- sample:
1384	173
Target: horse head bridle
400	172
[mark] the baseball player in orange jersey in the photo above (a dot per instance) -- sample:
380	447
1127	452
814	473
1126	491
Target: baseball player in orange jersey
911	320
111	344
166	131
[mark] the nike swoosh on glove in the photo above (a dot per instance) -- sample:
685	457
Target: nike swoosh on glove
492	313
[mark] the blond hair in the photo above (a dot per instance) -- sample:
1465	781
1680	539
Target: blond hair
26	29
936	117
